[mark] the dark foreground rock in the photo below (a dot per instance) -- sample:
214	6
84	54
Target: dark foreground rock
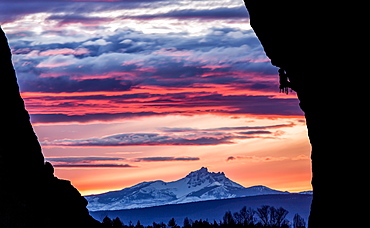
302	38
30	194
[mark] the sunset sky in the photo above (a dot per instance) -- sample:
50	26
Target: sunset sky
125	91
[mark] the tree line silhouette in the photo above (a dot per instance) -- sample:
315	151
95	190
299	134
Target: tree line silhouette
263	217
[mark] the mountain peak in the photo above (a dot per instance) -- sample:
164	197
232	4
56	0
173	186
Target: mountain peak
204	171
199	185
203	176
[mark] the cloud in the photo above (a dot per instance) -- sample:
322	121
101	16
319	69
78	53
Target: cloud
162	159
172	137
65	84
77	18
167	69
169	129
216	13
127	101
148	139
109	162
254	132
230	158
84	11
85	118
100	42
82	159
266	158
92	166
88	162
57	61
65	51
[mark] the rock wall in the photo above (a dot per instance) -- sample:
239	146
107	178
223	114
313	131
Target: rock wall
303	39
30	194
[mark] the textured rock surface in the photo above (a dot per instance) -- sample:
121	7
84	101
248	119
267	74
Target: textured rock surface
30	194
302	38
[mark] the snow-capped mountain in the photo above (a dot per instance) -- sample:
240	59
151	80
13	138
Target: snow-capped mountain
199	185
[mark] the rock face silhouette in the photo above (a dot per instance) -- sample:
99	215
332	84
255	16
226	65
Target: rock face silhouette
302	38
30	194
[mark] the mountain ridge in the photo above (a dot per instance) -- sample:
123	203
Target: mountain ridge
199	185
212	210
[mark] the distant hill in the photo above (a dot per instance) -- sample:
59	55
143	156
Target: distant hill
211	209
200	185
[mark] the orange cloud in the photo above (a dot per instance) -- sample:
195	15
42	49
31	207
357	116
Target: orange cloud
267	158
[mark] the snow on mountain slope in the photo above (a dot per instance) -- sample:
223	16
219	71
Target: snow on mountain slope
199	185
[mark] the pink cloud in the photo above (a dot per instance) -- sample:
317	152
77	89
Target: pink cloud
57	61
173	52
267	158
65	51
